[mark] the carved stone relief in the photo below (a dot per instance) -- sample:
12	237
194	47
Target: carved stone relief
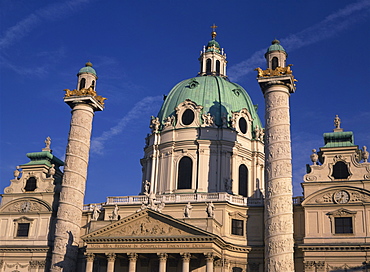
147	226
26	206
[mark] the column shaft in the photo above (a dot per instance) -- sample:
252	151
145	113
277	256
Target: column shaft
132	264
162	262
111	259
209	262
67	233
89	262
185	262
278	201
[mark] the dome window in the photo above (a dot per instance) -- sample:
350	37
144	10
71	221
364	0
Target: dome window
187	117
243	180
243	125
93	84
30	184
185	173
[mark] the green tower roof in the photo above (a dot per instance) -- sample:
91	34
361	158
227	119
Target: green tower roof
43	157
217	95
275	46
87	69
339	139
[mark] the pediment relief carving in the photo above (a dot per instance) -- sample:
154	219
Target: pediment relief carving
146	223
146	226
328	196
26	205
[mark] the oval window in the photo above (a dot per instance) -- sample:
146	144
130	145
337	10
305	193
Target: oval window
187	117
243	125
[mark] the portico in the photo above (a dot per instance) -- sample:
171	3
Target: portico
154	241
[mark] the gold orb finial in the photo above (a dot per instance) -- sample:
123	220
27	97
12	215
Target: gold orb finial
214	34
88	64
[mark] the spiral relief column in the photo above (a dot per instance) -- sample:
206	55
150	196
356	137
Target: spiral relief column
277	83
84	102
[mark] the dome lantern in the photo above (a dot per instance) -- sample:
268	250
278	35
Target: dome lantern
212	58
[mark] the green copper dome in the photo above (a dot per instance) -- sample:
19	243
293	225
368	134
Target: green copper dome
275	46
87	69
213	46
217	95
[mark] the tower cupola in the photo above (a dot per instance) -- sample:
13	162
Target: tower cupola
276	55
213	58
87	77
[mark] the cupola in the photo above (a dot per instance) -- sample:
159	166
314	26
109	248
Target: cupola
87	77
276	55
213	58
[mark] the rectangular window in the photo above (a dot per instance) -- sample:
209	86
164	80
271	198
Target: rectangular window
23	229
343	225
237	227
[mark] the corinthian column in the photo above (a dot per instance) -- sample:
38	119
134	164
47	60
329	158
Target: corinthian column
278	200
67	233
162	261
185	262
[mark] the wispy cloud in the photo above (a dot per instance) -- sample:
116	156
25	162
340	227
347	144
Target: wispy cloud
140	110
49	13
329	27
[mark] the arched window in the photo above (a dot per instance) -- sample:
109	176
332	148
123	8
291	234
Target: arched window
93	84
275	63
243	180
185	173
30	184
187	117
208	66
218	67
82	83
340	170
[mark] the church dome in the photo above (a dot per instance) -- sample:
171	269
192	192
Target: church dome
87	69
216	94
275	46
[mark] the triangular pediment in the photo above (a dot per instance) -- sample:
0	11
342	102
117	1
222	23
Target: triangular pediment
147	223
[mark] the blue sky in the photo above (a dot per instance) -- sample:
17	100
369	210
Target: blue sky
141	49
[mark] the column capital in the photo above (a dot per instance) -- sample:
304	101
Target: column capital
132	256
185	256
162	256
89	256
111	257
209	256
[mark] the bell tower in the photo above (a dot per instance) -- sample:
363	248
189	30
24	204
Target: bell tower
277	83
83	101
